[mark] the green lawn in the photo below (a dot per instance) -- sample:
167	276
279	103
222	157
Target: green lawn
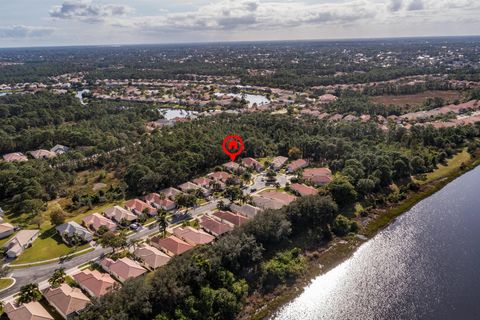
444	171
47	246
5	282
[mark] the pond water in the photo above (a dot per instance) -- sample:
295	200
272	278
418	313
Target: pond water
170	114
250	98
426	265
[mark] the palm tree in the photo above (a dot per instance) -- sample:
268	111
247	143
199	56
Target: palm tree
57	278
29	293
162	221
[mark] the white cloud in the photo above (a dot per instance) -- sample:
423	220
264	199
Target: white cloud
88	11
21	31
395	5
416	5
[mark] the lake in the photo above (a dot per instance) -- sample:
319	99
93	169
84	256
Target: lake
170	114
426	265
250	98
79	95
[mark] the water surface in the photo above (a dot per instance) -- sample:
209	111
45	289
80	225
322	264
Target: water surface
426	265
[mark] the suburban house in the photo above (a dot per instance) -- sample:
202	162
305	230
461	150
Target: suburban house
214	227
66	300
187	186
193	236
202	182
327	98
22	240
123	269
138	207
95	283
42	154
278	162
72	230
27	311
219	176
317	176
170	245
170	193
247	210
232	166
272	199
96	220
151	256
233	218
15	157
296	165
155	200
120	214
303	190
252	164
59	149
6	229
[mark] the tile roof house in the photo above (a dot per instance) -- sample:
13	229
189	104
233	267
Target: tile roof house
303	190
296	165
66	300
120	214
233	218
15	157
252	164
170	193
138	207
151	256
27	311
278	162
247	210
193	236
214	227
231	166
6	229
42	154
219	176
59	149
95	283
122	269
318	176
71	229
272	199
187	186
203	182
155	200
96	220
22	240
170	245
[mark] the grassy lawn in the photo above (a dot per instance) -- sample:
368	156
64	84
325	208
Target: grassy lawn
48	246
444	171
5	282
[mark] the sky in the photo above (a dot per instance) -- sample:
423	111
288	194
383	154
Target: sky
109	22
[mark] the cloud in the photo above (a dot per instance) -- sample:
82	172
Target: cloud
20	31
87	11
395	5
415	5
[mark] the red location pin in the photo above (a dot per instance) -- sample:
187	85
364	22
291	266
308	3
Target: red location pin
233	145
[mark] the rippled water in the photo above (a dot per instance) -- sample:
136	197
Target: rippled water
426	265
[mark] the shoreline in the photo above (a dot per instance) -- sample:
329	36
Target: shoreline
327	257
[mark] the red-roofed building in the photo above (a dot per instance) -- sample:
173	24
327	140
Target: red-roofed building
15	157
203	182
214	227
303	190
170	245
318	176
233	218
252	164
193	236
155	200
296	165
95	283
138	207
219	176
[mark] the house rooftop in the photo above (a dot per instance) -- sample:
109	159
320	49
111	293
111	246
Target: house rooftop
152	257
124	268
233	218
95	282
27	311
303	190
214	226
66	299
171	244
192	235
118	214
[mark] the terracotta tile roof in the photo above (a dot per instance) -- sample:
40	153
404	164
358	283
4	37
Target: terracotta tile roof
152	257
215	227
318	176
171	244
27	311
96	220
219	176
42	153
170	192
66	299
231	166
297	164
15	156
272	199
123	268
247	210
303	190
193	236
95	282
279	162
202	181
252	163
156	200
188	186
118	214
233	218
137	206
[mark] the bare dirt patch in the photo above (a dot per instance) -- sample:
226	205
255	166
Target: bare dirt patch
418	98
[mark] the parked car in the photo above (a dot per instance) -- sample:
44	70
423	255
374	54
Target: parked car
253	189
135	226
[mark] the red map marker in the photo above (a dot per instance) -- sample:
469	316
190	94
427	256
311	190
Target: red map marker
233	145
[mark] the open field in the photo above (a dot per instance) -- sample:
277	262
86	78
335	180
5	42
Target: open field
453	165
5	283
418	98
